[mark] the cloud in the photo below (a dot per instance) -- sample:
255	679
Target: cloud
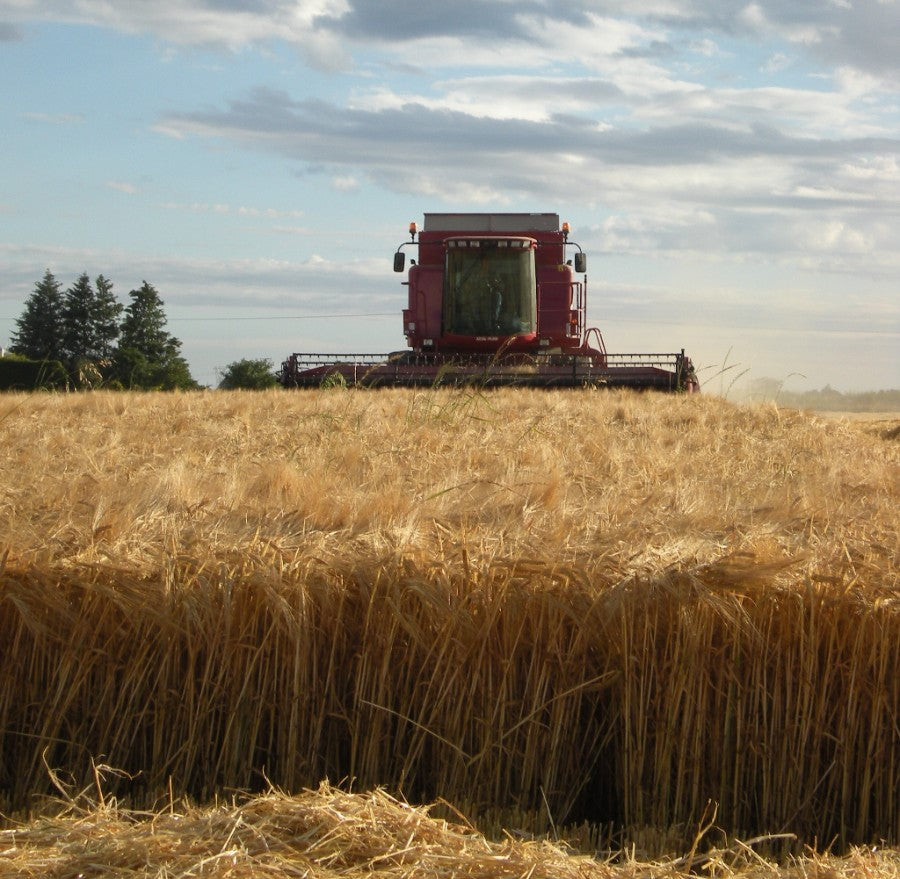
223	210
302	231
383	139
232	24
309	285
345	183
863	35
10	33
623	113
504	96
383	20
123	187
776	63
708	176
56	118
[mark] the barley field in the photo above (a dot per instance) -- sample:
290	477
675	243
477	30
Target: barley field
659	622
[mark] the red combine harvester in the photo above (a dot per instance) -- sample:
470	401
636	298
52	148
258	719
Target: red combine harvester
493	301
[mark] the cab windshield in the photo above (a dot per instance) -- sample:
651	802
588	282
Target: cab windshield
490	288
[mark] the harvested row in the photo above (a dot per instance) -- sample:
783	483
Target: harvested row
328	833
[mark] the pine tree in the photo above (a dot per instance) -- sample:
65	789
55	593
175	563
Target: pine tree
90	320
144	326
76	318
106	317
40	332
147	356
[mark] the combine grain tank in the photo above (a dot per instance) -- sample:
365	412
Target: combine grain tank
494	300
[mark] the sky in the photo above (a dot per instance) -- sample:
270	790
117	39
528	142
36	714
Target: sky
731	168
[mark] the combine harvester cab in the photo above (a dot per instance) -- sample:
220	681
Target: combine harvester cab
494	301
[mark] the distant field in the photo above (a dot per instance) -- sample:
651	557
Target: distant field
640	614
827	399
872	419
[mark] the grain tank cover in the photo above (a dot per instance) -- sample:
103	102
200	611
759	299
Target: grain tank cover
503	223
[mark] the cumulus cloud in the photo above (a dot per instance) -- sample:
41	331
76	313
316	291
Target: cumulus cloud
232	24
624	111
804	177
863	35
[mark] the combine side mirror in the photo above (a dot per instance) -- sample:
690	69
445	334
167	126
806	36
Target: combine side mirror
399	261
581	262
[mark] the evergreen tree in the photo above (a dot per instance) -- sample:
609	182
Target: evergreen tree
144	325
40	331
76	318
147	356
90	320
106	317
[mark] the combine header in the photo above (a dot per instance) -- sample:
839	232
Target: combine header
494	301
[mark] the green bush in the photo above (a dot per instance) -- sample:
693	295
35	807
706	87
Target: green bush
19	374
247	374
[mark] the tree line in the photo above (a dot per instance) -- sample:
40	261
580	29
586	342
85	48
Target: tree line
87	336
